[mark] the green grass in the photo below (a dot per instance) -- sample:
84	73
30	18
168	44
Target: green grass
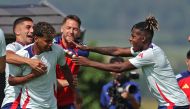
148	103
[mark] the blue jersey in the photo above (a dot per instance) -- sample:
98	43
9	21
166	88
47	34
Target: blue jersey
105	98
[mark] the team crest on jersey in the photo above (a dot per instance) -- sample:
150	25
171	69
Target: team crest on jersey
140	55
185	86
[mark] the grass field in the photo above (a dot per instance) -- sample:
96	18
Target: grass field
148	103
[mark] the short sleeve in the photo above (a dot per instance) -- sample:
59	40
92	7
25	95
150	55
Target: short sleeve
2	44
133	52
61	56
142	59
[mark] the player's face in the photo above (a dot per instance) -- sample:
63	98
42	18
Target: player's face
24	31
137	39
44	43
70	30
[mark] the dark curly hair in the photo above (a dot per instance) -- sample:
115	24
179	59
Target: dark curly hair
149	25
44	29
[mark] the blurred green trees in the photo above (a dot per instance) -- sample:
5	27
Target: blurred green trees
91	81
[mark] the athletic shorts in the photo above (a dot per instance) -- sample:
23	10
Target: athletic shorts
174	107
11	106
70	106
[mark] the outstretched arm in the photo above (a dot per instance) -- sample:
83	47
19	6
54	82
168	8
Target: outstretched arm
112	51
13	58
118	67
2	64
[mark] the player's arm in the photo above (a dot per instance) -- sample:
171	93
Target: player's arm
16	80
13	58
119	67
2	64
68	75
113	51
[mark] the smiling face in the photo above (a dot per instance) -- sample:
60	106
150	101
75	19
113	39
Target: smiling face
137	39
24	32
70	30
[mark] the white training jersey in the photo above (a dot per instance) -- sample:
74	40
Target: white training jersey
2	44
39	93
12	93
160	76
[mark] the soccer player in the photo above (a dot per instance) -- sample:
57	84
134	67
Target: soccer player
70	29
112	98
183	78
40	93
151	58
2	52
23	29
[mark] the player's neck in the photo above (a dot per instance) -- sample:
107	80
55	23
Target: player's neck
35	49
20	41
147	45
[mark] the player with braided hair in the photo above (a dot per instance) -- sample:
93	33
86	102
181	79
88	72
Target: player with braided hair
148	56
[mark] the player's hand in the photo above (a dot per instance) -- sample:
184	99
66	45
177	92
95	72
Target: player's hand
36	73
37	65
80	60
79	46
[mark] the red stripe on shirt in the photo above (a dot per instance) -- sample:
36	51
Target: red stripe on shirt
16	102
26	101
171	104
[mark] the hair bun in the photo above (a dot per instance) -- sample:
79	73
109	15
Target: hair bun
152	23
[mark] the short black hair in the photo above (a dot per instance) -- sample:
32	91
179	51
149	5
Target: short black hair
44	29
116	59
73	17
188	55
20	20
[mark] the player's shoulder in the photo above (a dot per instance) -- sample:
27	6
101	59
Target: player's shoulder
56	47
25	51
1	34
57	39
182	75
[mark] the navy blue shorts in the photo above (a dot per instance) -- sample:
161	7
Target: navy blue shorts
174	107
11	106
70	106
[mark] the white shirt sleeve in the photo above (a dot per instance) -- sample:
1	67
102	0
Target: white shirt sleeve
2	44
142	59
